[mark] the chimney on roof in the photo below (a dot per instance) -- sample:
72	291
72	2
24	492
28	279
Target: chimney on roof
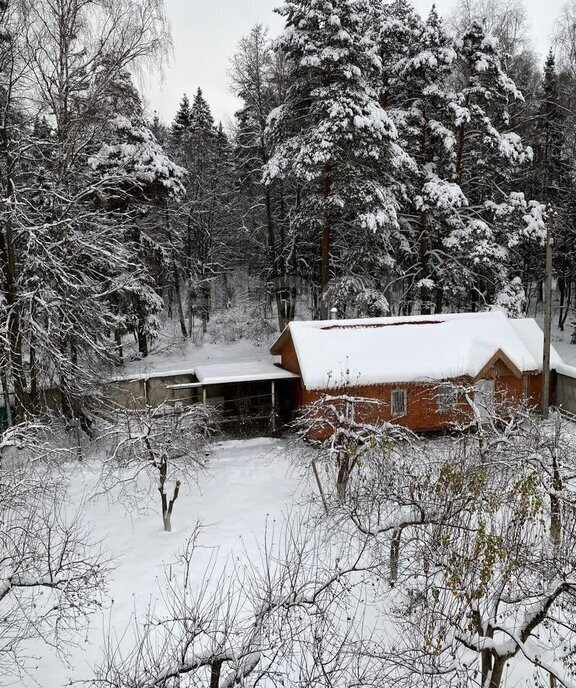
333	313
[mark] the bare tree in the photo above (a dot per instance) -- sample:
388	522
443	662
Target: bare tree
484	576
505	19
158	441
259	76
59	61
52	573
342	431
279	619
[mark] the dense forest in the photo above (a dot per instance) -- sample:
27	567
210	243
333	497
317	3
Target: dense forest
381	162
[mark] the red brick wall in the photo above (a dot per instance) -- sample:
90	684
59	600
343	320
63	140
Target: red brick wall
423	414
422	411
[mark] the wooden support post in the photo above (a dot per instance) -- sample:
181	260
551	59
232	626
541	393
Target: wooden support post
273	416
547	318
204	395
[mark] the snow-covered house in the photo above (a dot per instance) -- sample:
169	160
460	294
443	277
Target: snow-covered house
404	361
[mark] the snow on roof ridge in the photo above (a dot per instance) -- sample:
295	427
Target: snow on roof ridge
395	319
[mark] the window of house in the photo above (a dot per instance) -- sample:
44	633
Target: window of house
399	402
447	399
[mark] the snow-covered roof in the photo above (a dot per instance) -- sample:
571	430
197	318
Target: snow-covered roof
347	353
248	371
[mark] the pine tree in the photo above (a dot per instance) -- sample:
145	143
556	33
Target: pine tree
146	180
420	58
201	120
548	143
332	137
181	123
159	130
202	222
488	217
552	182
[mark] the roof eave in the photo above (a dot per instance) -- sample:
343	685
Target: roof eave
280	343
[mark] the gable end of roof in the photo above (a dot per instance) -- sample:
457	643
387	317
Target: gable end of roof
498	357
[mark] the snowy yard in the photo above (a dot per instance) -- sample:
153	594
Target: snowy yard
472	528
250	487
247	484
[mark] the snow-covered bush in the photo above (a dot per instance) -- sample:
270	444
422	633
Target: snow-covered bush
246	323
511	299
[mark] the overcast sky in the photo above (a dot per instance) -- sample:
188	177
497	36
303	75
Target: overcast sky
206	32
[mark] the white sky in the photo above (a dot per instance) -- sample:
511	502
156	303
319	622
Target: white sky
206	32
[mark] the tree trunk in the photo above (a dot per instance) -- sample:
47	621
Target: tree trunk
6	395
215	671
343	475
178	294
461	147
486	663
395	556
497	672
439	300
175	274
167	506
425	306
118	346
141	336
564	315
562	289
326	240
14	329
15	371
33	376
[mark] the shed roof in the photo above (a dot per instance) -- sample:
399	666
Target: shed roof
247	371
350	353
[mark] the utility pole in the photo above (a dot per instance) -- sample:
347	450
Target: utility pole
547	316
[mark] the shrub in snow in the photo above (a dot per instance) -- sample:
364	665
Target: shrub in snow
239	323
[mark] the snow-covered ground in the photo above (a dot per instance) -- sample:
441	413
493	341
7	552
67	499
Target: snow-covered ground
248	483
561	342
